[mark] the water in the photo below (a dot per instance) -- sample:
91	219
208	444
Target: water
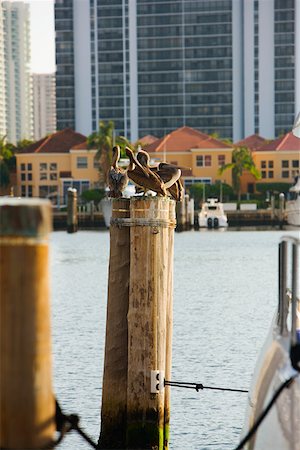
225	294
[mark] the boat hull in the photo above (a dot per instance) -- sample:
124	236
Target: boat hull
280	429
292	210
212	221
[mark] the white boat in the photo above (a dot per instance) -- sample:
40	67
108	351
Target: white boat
212	214
273	409
292	206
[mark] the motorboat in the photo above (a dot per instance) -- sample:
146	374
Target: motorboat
273	409
212	214
292	206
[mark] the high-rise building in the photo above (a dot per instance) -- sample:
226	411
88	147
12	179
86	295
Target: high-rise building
44	104
2	77
230	67
17	91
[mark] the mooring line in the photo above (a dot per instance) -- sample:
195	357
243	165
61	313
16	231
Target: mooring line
199	386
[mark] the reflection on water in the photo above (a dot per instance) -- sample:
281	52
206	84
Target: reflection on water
225	293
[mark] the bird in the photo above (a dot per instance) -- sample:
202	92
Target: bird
169	173
143	177
117	177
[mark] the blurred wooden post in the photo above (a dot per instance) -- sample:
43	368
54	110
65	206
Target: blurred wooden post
147	316
72	217
27	402
114	392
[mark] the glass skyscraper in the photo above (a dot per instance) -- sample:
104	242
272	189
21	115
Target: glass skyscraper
229	67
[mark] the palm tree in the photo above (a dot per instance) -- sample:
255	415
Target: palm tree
241	161
103	140
7	160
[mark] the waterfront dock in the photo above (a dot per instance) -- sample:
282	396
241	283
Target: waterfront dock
238	218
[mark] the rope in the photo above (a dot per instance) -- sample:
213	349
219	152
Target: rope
65	424
199	386
253	429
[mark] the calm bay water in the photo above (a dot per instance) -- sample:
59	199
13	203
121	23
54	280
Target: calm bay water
225	294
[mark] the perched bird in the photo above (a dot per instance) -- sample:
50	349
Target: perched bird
143	177
117	177
169	173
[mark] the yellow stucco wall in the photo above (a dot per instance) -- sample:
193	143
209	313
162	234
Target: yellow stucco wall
189	160
275	161
30	173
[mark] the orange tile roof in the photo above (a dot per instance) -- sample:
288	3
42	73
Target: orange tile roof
185	139
146	140
83	146
252	142
288	142
59	142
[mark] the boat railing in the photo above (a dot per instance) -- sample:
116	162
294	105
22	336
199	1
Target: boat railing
289	301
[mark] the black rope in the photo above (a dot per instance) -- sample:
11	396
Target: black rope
253	429
199	386
65	424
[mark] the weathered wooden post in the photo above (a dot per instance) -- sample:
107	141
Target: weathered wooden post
281	209
114	392
27	402
147	319
272	207
169	322
72	217
191	208
180	215
92	211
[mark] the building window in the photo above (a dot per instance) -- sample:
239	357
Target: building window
263	174
284	163
263	164
48	191
30	191
199	160
96	163
29	176
53	176
270	164
43	166
43	176
23	191
29	166
271	174
295	163
221	160
53	166
207	160
285	174
295	173
23	176
82	162
22	166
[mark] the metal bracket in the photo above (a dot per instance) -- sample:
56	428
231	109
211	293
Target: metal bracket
157	381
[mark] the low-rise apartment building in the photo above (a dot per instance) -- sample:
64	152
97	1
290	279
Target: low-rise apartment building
199	155
277	160
50	166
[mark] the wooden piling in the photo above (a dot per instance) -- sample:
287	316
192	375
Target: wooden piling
181	215
147	315
169	323
72	216
114	392
27	403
